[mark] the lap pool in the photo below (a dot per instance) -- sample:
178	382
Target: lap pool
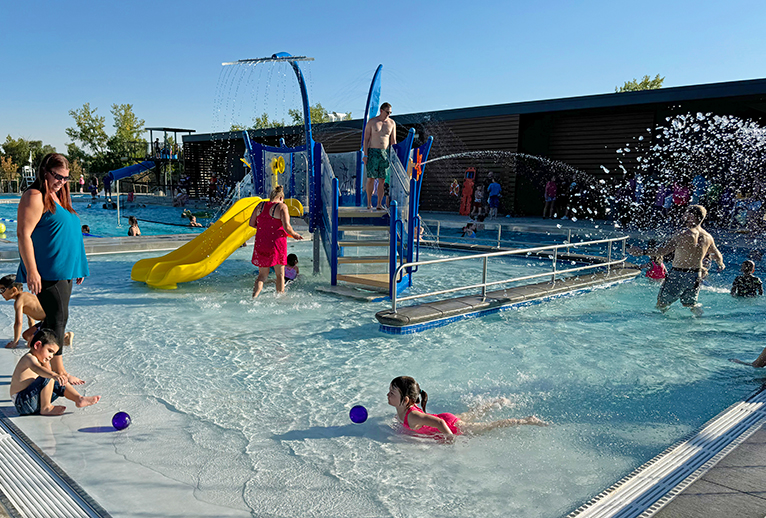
247	402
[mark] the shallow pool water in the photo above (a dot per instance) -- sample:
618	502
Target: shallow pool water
248	401
153	219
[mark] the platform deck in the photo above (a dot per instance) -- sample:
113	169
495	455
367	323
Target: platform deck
419	317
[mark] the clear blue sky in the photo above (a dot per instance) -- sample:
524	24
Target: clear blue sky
165	56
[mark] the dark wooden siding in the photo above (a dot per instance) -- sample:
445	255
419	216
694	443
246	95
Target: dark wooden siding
589	141
453	137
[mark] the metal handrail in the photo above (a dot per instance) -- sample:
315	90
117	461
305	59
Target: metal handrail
526	251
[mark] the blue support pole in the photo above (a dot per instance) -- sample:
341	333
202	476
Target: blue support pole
334	236
359	179
394	212
315	196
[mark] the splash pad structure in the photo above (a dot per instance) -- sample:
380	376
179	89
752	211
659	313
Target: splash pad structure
315	193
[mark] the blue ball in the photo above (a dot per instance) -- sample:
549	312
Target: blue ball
358	414
121	420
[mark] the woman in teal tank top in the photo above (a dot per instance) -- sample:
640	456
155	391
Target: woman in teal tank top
51	248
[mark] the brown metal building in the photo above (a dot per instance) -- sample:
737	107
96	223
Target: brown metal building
583	132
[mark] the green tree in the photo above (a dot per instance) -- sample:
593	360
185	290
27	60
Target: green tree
39	150
264	122
128	131
318	115
646	83
17	150
89	130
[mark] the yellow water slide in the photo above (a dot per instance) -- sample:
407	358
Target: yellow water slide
207	251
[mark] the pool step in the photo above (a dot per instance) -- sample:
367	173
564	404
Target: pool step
360	212
362	228
363	259
374	280
363	243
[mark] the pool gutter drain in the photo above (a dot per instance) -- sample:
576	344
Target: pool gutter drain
32	485
650	487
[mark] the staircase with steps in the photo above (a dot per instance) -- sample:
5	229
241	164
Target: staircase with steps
363	248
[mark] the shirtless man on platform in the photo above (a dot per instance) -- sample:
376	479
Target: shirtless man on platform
690	245
379	134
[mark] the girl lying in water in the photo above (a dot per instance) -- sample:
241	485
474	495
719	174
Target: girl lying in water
410	403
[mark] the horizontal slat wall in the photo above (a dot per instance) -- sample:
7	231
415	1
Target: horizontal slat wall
499	133
589	141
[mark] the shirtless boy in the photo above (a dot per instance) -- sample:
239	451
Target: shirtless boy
690	245
31	389
24	303
379	134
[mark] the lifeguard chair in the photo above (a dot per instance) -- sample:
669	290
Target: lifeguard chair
28	177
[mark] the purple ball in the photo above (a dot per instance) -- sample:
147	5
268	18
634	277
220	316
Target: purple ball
358	414
121	420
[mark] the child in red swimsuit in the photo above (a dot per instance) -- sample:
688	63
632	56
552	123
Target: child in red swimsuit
410	402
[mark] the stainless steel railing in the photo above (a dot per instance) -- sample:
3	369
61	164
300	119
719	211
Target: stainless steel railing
485	257
489	225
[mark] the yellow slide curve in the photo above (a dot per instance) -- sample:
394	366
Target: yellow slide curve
207	251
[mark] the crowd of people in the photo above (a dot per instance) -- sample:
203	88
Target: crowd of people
646	202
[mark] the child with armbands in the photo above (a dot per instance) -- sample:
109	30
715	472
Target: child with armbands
410	402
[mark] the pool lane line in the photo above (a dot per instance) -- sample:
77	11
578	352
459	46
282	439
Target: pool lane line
26	468
164	223
650	487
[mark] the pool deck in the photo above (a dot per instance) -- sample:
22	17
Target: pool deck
734	485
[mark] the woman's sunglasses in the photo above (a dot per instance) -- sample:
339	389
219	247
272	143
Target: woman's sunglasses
58	176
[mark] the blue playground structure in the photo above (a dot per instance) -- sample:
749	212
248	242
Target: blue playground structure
363	247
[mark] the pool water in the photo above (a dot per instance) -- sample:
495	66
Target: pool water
103	222
248	401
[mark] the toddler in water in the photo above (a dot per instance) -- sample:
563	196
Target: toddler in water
291	270
747	284
31	389
656	267
133	231
410	402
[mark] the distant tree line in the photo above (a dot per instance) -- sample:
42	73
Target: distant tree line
318	115
92	149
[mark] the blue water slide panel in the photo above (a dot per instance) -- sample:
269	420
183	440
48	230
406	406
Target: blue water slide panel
373	100
403	148
125	172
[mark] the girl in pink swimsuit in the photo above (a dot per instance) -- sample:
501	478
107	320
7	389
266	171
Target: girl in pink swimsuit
410	402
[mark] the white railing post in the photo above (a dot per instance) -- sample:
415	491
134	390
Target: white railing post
484	279
555	260
499	230
609	259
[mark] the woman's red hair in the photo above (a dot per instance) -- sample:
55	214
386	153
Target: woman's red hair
50	162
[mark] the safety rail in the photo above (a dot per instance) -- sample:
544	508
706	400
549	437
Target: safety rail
484	284
488	227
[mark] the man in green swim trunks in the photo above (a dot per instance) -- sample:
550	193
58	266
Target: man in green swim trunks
379	134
